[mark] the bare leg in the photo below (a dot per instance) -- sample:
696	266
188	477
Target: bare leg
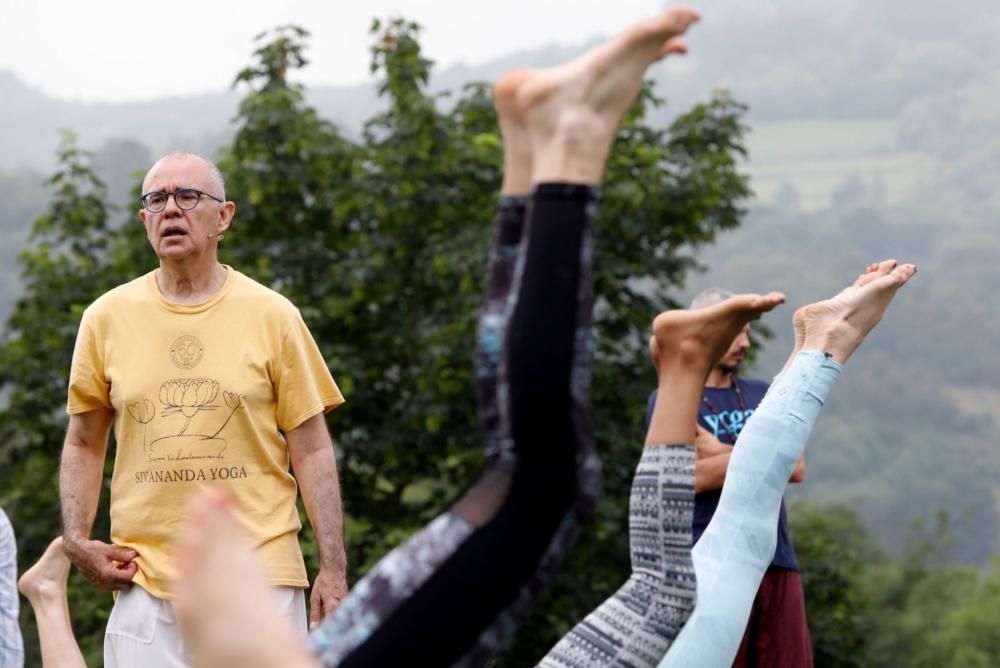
517	161
223	599
685	345
44	585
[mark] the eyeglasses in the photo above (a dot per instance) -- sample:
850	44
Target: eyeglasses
185	199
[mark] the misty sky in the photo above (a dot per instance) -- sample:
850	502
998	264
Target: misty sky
118	50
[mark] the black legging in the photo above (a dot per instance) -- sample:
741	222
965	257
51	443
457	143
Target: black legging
453	591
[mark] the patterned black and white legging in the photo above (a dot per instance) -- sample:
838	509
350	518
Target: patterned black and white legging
452	592
635	626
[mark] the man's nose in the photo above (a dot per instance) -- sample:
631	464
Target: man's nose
171	210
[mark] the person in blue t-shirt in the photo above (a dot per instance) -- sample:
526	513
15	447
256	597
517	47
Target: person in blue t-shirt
777	634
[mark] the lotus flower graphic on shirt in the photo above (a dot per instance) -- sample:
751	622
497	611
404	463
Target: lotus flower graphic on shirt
235	402
188	396
142	412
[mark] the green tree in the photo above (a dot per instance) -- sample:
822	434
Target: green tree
22	196
287	168
911	596
966	636
66	265
868	607
834	549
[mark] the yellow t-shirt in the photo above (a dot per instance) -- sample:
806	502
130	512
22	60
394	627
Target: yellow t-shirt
202	395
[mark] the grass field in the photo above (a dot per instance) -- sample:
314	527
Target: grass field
804	164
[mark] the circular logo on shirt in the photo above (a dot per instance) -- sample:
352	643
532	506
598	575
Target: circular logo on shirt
186	352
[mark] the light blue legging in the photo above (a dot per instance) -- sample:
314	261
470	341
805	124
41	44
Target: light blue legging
739	542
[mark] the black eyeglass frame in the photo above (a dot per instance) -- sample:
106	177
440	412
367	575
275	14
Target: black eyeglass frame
167	195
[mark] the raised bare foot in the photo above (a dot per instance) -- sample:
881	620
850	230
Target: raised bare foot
517	161
700	337
46	580
874	271
224	601
573	110
838	325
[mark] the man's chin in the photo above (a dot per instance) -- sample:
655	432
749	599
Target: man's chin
172	251
731	369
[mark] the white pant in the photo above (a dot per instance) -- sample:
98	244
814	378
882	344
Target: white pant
143	632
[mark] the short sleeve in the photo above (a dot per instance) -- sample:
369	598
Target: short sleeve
650	405
89	388
304	386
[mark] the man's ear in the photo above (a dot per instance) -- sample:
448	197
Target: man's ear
226	214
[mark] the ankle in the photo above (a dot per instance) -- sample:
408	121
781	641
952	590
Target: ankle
684	363
836	348
574	150
44	592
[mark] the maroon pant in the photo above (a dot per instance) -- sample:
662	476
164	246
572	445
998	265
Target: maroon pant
777	634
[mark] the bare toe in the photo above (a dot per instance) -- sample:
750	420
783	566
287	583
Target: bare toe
874	271
904	272
673	45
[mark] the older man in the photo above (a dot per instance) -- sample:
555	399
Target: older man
209	378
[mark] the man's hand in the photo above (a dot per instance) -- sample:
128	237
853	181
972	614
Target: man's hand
328	591
706	445
107	566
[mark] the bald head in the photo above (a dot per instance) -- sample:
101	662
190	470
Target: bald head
204	170
710	297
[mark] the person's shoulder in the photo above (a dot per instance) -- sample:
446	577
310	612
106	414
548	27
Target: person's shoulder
246	289
135	290
754	388
754	384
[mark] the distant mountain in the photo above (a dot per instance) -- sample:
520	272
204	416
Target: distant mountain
851	61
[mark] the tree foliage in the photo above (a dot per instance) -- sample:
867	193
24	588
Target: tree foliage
64	267
867	607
